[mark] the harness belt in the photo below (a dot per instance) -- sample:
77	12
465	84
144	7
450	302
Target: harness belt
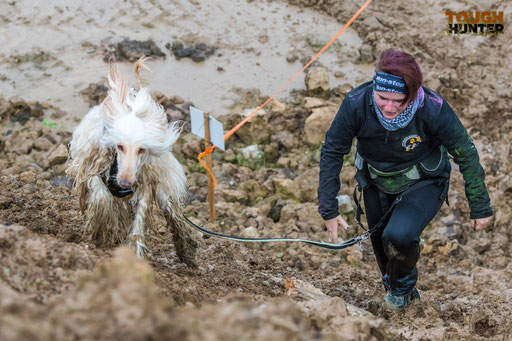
415	186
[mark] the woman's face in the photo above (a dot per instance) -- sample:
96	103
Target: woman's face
389	103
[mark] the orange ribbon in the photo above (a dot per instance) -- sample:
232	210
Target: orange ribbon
232	131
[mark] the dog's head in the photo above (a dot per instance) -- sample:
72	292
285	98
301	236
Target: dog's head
135	127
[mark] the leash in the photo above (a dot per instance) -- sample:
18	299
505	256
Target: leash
331	246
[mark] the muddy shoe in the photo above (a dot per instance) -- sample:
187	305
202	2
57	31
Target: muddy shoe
399	303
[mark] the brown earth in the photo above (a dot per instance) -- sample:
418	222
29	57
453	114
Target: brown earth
55	284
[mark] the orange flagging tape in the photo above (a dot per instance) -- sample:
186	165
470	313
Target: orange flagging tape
232	131
208	151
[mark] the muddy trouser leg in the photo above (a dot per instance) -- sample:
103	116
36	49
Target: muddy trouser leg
374	211
400	237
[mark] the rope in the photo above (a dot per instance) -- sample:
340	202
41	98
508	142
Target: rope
232	131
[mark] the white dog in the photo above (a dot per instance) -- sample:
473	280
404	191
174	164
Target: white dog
121	159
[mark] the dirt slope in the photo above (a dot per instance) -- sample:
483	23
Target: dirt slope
55	284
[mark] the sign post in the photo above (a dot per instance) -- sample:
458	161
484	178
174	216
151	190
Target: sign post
207	127
211	197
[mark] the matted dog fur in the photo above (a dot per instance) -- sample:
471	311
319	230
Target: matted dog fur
129	128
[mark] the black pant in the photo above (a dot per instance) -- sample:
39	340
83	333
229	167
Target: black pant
396	242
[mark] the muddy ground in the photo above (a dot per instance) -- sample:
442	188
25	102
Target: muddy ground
55	284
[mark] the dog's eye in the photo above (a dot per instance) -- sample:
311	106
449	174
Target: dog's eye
120	148
141	151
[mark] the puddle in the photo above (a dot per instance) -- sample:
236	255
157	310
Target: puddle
252	40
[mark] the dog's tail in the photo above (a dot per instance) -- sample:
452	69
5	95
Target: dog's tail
140	64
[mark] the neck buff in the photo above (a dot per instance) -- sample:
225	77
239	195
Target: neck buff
391	83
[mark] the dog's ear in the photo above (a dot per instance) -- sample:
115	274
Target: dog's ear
139	65
113	103
109	111
117	84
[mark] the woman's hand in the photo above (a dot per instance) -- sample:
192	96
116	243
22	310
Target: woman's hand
332	227
480	224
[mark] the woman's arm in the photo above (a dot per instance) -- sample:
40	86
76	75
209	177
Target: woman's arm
338	142
452	134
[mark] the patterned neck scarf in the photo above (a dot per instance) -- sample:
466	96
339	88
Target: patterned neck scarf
405	116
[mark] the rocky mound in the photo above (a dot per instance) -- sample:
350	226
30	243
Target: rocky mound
54	284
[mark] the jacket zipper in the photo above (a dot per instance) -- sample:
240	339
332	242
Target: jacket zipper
386	139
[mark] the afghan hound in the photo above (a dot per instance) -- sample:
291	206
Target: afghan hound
122	164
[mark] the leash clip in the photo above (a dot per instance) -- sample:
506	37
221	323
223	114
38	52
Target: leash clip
364	236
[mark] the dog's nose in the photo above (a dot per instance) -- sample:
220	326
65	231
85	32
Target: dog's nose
125	184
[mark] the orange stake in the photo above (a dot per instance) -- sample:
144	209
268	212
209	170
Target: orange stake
209	175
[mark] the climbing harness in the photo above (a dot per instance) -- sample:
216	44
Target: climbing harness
413	187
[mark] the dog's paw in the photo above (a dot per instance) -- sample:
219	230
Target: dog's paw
137	243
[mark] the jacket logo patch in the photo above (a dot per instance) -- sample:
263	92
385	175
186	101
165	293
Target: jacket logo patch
411	142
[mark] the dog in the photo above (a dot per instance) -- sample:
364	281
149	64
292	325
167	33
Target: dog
123	168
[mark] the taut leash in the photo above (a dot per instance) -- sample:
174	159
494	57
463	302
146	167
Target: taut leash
332	246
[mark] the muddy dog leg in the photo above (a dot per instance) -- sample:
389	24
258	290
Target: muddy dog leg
185	244
101	217
137	228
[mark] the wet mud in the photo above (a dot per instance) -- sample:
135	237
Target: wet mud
55	284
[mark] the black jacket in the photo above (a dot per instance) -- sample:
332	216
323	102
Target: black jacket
434	124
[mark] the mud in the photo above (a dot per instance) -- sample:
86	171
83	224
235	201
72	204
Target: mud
55	284
252	40
197	53
131	50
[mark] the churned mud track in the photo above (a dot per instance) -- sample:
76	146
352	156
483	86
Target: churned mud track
55	284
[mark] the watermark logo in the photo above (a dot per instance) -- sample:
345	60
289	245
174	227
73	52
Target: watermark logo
476	23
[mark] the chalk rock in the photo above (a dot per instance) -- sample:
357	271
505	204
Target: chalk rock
250	232
277	106
317	124
366	55
286	139
28	176
314	102
250	156
43	144
307	215
286	189
345	203
58	156
235	196
317	80
256	130
255	192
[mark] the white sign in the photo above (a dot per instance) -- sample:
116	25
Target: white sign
216	129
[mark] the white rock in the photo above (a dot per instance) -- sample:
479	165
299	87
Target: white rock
58	156
345	203
317	79
251	152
